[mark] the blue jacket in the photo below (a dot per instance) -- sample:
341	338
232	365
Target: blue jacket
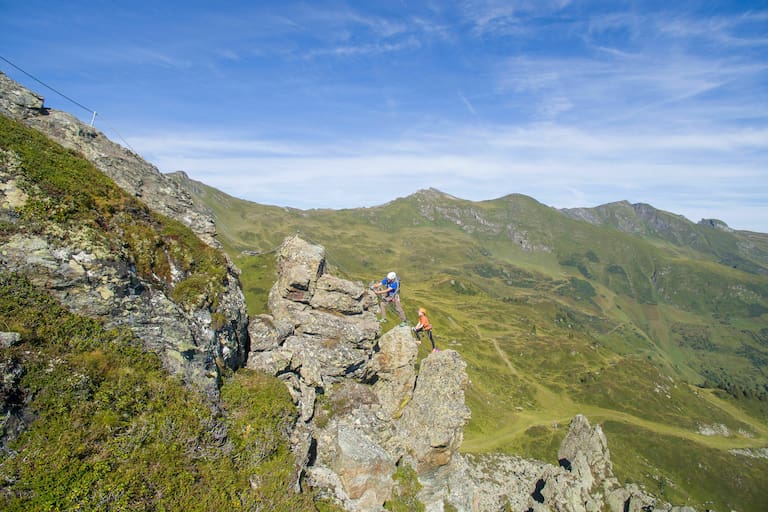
392	286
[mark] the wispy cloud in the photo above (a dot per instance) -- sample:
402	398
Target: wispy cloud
467	103
702	174
378	48
624	87
746	29
507	17
573	103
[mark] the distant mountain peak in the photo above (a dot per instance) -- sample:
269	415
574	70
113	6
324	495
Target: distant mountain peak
716	223
433	193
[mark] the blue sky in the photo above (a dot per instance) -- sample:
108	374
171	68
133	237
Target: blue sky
349	104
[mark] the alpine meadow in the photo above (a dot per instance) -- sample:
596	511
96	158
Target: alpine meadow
167	346
647	323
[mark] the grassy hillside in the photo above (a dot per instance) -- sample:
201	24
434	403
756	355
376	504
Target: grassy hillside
555	316
105	427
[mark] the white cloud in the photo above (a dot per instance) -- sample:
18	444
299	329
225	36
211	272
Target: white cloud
507	16
467	103
377	48
694	174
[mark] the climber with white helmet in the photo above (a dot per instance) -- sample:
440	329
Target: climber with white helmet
389	290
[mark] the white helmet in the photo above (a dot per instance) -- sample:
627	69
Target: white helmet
391	276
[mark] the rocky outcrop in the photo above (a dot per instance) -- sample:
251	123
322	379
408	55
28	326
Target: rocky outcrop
11	397
95	279
132	173
434	419
363	408
582	482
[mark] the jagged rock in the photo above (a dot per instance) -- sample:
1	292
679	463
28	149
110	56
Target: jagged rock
497	482
358	330
563	491
328	485
16	101
395	373
92	281
629	499
325	343
364	468
493	482
435	417
272	362
342	296
334	354
13	418
585	451
334	357
299	265
266	333
585	464
584	482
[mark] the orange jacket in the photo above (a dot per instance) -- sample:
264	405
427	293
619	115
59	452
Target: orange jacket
424	322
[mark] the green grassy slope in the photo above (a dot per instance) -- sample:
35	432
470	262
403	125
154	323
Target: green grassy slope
556	316
107	428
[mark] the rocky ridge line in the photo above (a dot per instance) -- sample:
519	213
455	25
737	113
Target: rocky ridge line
91	282
364	410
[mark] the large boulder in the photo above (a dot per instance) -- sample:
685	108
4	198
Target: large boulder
394	368
299	265
314	317
341	296
268	333
585	452
364	468
433	421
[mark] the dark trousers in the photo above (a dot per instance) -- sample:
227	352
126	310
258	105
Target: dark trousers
429	333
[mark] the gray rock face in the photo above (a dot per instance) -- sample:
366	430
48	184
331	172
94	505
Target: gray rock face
364	468
95	281
320	343
584	482
12	398
127	169
18	102
358	392
434	419
395	373
364	410
585	451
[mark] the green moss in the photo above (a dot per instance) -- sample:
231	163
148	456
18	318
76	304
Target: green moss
113	431
447	507
407	486
68	192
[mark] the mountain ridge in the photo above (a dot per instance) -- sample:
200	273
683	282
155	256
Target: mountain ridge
665	310
553	317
